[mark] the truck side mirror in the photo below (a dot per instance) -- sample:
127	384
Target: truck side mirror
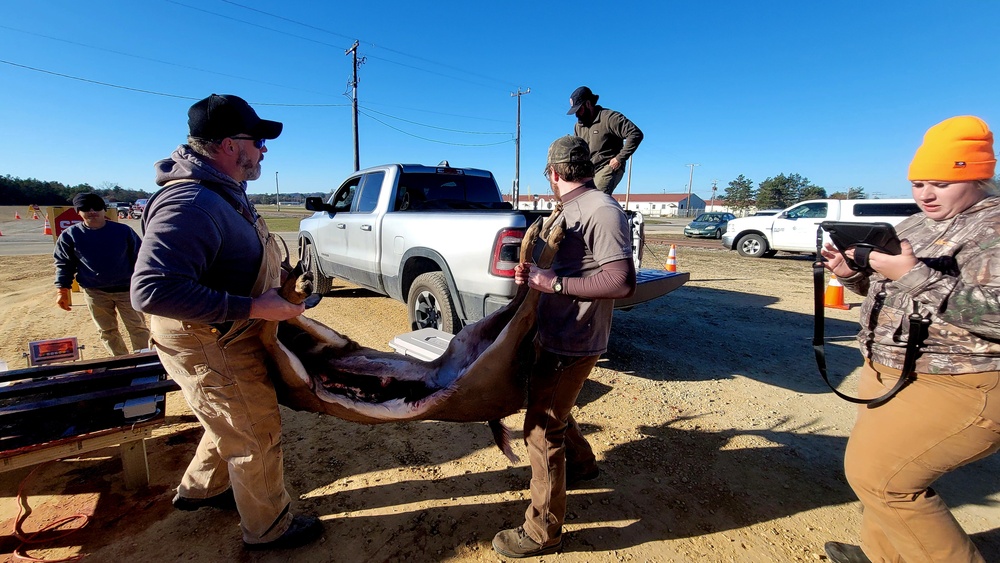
314	203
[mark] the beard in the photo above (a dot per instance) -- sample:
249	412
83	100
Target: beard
251	170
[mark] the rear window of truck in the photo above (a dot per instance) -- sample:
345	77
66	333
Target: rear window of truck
874	209
428	191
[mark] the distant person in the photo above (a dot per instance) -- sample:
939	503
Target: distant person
948	414
612	138
101	255
592	268
207	273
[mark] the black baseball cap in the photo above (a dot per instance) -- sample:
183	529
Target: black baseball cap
89	201
580	95
220	116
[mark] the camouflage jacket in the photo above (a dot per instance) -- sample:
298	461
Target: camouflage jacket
956	284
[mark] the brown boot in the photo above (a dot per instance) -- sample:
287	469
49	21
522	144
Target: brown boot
517	543
845	553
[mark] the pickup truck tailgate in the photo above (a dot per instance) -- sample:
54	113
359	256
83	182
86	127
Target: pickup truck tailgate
651	284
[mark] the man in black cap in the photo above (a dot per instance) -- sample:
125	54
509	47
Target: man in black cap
611	136
101	255
592	268
207	273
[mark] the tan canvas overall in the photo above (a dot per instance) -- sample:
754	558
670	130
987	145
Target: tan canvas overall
224	379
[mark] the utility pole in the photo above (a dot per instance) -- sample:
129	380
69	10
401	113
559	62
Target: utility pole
354	99
687	206
714	187
628	181
277	194
517	147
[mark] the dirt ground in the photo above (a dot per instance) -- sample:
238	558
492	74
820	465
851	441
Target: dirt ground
717	439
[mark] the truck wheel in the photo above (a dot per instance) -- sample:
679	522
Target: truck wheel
122	215
430	305
321	283
752	246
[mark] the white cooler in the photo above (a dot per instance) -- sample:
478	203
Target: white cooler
425	344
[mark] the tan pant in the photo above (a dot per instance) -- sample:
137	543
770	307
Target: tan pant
102	306
607	179
225	382
937	423
553	439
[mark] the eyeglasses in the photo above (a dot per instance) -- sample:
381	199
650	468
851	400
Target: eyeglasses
257	143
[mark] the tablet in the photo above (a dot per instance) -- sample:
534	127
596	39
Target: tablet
864	238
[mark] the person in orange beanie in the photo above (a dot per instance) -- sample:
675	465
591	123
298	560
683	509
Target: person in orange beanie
948	414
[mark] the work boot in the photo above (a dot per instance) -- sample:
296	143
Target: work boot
303	530
576	479
845	553
517	543
224	500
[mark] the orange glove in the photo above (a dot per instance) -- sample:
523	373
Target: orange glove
65	301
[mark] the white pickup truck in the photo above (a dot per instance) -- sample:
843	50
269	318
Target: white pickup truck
438	238
794	229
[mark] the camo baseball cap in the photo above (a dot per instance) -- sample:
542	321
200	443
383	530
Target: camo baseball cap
568	149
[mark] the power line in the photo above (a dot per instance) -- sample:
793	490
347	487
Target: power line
338	47
169	63
108	84
405	54
432	140
435	126
153	92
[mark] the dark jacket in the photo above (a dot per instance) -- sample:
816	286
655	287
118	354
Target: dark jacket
610	135
199	255
99	258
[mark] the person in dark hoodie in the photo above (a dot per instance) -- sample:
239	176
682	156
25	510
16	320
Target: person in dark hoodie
101	255
612	138
207	273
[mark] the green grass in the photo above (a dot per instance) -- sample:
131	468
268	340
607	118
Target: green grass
284	220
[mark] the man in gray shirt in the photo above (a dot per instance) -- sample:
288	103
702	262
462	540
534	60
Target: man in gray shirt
611	136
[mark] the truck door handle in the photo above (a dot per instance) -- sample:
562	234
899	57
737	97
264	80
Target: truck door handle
366	227
341	226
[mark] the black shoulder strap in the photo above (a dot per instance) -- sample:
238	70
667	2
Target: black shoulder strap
918	331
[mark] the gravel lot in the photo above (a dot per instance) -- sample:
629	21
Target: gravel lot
717	438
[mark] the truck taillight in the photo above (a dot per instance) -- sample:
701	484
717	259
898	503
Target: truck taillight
506	252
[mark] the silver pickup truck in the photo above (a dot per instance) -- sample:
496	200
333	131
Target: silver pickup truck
440	239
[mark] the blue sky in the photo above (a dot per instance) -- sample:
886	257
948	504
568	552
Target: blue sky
838	92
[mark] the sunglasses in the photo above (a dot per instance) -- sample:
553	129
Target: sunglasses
257	143
85	209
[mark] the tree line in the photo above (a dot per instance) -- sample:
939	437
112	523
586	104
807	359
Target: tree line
27	191
779	192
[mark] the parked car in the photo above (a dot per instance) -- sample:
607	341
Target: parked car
138	207
710	225
122	207
794	229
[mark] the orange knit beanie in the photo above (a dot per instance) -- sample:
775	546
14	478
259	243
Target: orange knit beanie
959	149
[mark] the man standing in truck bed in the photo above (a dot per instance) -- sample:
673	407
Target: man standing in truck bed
611	136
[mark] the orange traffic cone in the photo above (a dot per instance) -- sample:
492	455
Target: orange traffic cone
47	229
672	259
17	215
834	296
